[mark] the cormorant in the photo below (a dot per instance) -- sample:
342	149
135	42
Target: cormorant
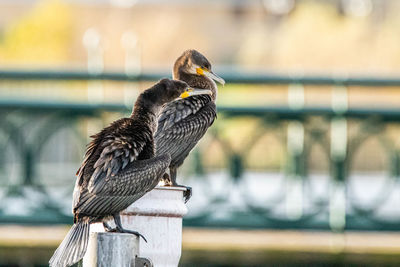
183	123
119	167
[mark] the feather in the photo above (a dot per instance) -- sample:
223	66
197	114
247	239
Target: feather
179	138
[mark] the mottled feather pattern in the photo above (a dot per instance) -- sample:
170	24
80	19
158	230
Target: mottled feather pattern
180	138
117	192
178	110
138	175
111	151
117	153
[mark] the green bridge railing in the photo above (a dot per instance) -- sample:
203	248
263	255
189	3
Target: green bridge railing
231	76
289	166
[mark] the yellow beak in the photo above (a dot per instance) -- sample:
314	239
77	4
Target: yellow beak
195	91
210	75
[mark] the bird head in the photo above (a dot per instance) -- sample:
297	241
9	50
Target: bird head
168	90
193	62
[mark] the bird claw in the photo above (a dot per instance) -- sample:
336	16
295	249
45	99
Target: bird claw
188	192
132	232
120	229
108	228
168	182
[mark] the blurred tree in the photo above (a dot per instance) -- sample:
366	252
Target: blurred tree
42	36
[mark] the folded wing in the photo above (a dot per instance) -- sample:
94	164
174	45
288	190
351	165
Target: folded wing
111	177
179	132
115	193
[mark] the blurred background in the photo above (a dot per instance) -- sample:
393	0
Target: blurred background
302	166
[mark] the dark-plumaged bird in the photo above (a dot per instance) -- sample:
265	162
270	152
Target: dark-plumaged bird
183	123
119	167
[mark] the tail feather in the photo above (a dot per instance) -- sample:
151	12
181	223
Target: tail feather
73	247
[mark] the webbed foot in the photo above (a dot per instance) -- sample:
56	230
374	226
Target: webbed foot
187	194
108	228
120	229
171	182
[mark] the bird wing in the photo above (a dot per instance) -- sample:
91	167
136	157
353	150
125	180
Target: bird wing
182	134
136	177
117	192
111	153
116	154
178	110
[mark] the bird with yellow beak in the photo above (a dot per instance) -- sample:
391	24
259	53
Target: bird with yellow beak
184	122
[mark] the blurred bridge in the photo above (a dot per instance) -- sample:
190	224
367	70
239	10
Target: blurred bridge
282	166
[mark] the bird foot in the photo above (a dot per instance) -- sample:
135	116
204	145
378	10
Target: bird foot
187	194
112	230
108	228
166	180
122	230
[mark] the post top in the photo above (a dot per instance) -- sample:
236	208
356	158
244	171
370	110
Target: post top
174	188
162	201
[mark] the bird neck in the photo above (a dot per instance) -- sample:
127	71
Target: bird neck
145	111
197	81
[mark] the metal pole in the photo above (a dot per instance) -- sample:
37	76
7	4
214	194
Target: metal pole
92	42
337	201
114	249
133	67
295	147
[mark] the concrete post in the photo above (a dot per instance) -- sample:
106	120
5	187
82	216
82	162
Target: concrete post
111	249
158	217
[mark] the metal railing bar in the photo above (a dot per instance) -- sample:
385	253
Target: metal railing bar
230	77
281	111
